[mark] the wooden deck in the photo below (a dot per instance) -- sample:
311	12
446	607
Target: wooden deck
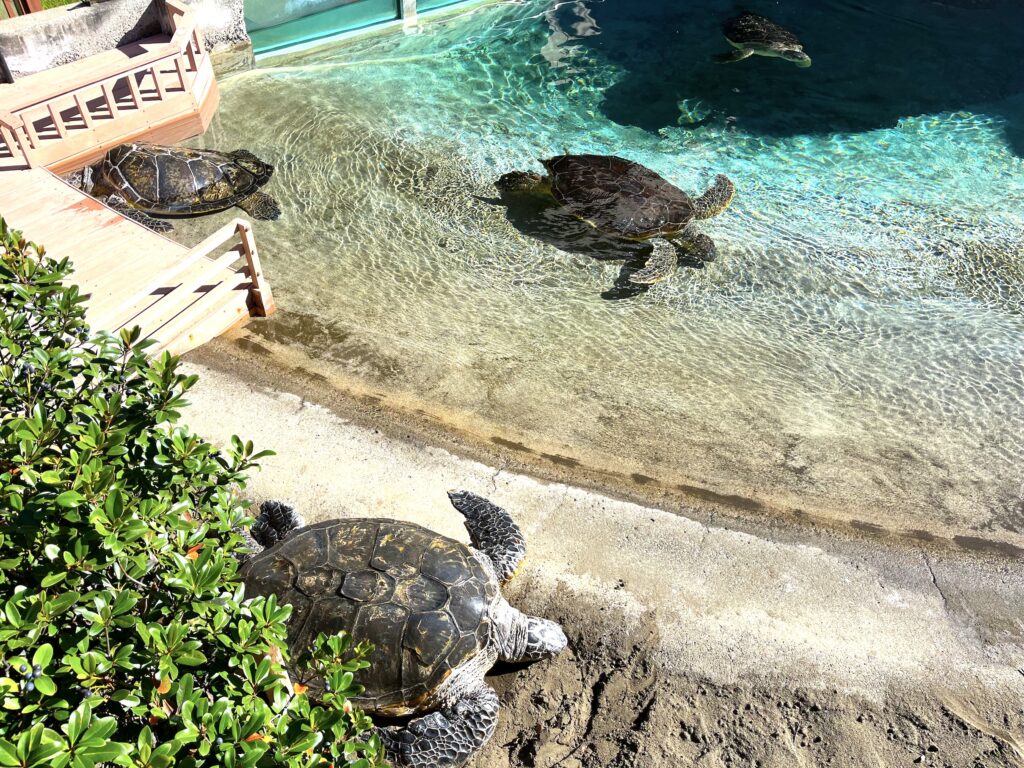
181	297
161	89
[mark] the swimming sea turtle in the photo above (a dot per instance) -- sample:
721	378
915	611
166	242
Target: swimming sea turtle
431	606
751	34
140	181
625	199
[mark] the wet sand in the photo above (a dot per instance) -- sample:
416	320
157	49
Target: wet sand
704	630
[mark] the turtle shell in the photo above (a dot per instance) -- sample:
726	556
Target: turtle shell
422	599
618	196
169	181
753	31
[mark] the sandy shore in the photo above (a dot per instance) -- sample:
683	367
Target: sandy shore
695	640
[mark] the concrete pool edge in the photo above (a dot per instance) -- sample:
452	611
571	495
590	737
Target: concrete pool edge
855	625
256	358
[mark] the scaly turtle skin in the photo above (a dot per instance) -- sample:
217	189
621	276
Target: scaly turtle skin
146	180
431	606
628	200
751	35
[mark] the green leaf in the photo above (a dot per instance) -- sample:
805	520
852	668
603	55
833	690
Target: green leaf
8	754
70	499
51	551
43	655
45	685
53	578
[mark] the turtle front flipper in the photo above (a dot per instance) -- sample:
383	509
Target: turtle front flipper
715	199
660	264
738	54
120	205
493	531
260	205
448	738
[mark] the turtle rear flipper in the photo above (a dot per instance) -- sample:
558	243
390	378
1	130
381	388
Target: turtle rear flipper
119	204
274	522
660	264
699	247
493	531
445	739
738	54
260	205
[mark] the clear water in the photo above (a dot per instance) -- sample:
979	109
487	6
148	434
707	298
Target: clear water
856	350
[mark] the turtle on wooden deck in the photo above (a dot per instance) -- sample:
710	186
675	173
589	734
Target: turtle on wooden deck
431	606
143	181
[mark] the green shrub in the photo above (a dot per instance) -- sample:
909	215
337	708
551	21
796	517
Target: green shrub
125	638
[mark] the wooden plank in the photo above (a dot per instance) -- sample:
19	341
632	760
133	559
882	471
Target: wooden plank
90	71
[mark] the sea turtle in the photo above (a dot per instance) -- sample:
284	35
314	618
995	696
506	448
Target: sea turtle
431	606
751	34
140	181
627	200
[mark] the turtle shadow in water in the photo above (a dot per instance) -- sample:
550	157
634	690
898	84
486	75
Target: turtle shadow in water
544	219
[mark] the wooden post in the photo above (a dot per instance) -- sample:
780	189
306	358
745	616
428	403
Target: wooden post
58	121
155	71
261	294
108	96
83	109
34	5
134	88
14	143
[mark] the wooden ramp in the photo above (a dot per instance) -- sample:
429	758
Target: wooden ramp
181	297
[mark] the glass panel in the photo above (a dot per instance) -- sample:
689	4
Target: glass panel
273	24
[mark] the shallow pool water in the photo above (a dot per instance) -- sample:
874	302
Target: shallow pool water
857	347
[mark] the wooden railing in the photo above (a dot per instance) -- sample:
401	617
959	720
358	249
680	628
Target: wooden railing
64	113
159	307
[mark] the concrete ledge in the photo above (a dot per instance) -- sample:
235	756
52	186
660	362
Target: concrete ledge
40	41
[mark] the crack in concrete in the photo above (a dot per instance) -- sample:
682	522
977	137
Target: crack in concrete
935	582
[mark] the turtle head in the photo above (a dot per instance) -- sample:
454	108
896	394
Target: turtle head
544	639
796	55
82	179
519	181
247	160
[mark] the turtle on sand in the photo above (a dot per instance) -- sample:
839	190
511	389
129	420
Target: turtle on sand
751	35
431	606
141	181
627	200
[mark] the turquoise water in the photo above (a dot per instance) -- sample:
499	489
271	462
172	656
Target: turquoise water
857	348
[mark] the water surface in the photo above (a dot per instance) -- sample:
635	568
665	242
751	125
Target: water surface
857	348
